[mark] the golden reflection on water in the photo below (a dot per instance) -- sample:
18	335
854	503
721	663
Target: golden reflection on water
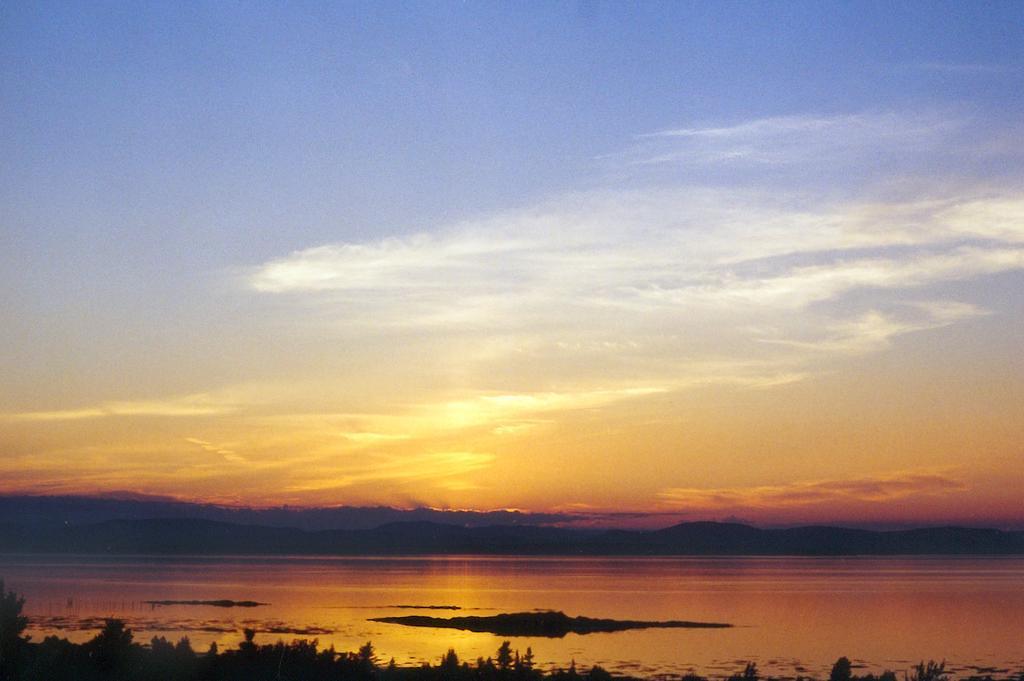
793	615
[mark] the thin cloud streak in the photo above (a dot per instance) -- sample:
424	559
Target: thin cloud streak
201	404
654	283
787	140
508	413
228	454
879	488
767	128
874	331
430	466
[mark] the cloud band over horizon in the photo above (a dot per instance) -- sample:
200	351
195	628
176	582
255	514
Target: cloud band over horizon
536	357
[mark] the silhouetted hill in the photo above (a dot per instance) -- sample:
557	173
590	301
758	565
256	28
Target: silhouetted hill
706	537
81	510
194	536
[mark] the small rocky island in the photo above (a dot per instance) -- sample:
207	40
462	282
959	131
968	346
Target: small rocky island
220	603
549	623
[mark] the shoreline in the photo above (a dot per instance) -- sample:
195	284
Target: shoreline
113	653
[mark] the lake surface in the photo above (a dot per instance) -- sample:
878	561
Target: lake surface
794	616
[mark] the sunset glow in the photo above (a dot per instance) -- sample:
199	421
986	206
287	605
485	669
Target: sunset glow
663	265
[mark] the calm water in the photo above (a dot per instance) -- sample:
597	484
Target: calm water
794	615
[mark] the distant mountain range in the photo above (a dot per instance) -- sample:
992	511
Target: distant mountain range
179	536
80	510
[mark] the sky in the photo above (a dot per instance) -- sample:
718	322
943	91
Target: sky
694	260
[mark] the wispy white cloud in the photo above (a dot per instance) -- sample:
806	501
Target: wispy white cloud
671	244
798	286
765	129
600	296
679	285
229	455
785	140
391	262
874	330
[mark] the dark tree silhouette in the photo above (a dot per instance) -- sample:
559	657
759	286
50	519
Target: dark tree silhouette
504	656
528	658
12	624
367	655
112	649
842	670
450	661
928	672
749	673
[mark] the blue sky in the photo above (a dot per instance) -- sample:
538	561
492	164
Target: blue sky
439	235
354	119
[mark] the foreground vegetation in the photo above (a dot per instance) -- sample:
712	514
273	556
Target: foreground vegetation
114	655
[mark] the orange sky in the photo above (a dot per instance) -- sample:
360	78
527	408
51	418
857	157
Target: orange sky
919	428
